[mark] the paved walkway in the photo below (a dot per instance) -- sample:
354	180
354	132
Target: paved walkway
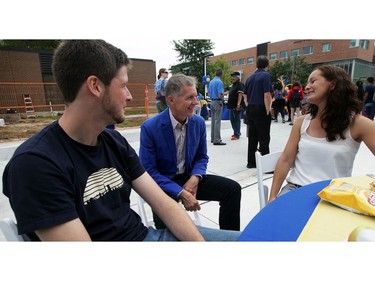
229	161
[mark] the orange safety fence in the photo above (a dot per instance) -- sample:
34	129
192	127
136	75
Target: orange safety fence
46	97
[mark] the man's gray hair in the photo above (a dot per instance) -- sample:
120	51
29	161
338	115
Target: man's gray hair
176	82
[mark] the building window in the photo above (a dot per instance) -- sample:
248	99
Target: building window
250	60
307	50
295	53
326	47
364	44
347	65
242	61
353	43
234	62
284	55
273	56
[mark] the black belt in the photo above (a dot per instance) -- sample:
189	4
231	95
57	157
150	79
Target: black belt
257	105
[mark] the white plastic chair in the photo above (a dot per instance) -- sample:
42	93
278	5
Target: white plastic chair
142	213
9	228
265	164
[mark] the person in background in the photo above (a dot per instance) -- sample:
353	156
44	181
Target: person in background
72	181
204	109
236	104
173	150
161	103
304	104
198	107
295	96
216	92
287	109
368	99
360	90
324	142
258	90
279	101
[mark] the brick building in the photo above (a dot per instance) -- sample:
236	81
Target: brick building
27	71
355	56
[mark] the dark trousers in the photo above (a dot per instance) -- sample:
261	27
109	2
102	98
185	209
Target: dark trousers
259	132
216	188
278	107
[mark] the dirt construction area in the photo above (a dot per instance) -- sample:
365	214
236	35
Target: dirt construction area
23	129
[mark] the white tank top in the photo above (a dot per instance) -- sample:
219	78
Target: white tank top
317	159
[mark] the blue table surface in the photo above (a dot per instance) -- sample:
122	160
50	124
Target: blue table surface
284	218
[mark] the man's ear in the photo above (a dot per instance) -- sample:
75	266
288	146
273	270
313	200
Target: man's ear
170	99
95	85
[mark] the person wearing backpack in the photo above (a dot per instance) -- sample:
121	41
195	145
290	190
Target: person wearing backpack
279	101
295	96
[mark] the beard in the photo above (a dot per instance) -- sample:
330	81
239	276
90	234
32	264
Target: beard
111	108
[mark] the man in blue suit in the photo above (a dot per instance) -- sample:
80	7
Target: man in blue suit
173	150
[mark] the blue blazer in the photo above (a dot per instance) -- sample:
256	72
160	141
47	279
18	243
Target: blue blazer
158	153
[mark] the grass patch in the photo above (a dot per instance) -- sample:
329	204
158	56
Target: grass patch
132	122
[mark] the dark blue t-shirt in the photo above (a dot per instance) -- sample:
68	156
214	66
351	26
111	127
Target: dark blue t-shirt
52	179
370	88
257	84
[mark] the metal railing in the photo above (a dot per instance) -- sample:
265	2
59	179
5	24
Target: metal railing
46	97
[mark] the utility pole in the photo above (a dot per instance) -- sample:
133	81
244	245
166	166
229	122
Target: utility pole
205	71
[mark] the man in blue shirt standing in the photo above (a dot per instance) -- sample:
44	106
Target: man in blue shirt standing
216	92
258	90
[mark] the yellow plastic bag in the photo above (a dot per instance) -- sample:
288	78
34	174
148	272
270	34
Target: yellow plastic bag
355	194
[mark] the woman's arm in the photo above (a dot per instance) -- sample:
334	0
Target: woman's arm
286	159
363	129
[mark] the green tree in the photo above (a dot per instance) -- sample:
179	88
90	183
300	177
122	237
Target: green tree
191	53
31	44
292	69
220	63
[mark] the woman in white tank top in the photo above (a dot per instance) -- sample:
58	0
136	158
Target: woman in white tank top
323	144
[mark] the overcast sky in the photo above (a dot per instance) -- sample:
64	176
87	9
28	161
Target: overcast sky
145	29
164	55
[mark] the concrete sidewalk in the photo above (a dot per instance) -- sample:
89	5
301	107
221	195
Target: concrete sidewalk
228	161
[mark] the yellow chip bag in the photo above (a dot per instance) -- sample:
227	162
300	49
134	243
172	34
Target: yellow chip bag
355	194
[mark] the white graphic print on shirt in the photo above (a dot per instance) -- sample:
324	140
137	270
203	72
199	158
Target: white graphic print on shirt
101	182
